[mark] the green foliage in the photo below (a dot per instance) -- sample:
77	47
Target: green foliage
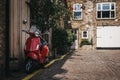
85	42
70	37
45	13
61	40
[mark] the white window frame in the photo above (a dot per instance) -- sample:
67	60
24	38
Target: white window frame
75	10
83	34
101	9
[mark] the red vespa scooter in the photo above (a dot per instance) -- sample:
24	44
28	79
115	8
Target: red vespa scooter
36	51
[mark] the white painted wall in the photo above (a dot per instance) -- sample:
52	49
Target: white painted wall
75	43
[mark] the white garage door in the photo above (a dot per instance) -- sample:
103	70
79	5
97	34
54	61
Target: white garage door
108	36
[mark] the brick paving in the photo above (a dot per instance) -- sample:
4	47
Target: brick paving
80	65
84	65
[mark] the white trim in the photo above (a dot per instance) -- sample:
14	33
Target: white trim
83	36
106	10
79	10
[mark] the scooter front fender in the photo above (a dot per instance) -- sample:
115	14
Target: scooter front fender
32	55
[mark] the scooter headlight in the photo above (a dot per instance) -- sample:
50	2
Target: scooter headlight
36	34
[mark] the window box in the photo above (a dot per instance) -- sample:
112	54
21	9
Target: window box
85	42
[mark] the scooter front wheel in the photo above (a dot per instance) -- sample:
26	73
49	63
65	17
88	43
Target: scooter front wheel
30	65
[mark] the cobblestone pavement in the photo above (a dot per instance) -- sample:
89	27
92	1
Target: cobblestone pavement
84	65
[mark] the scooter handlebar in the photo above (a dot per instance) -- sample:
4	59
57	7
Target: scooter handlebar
25	31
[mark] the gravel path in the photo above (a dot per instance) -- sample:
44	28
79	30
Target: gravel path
84	65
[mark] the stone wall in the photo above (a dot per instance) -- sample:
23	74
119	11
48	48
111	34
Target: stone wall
112	22
89	21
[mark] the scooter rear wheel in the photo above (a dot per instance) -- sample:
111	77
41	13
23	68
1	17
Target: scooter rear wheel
30	65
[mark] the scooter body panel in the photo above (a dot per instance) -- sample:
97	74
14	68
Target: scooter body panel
44	51
32	55
33	51
32	44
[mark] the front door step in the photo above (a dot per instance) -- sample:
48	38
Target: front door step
86	47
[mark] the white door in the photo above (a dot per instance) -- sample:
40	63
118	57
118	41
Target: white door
108	36
75	43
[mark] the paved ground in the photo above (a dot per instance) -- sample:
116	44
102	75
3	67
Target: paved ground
84	65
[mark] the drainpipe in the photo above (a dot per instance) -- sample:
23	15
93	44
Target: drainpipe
7	50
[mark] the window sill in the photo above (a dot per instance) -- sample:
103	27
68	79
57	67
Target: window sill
105	18
77	19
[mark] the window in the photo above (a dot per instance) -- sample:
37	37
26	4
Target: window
106	10
84	34
77	11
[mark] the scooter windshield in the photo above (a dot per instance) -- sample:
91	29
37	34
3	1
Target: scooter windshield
34	29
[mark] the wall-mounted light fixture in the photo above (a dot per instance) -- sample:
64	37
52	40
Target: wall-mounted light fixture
27	2
116	19
24	21
83	6
69	22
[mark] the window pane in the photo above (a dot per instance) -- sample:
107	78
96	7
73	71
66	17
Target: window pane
77	15
76	7
105	14
106	7
99	7
85	34
112	14
112	7
106	10
99	14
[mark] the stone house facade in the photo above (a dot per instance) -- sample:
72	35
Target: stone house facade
94	20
